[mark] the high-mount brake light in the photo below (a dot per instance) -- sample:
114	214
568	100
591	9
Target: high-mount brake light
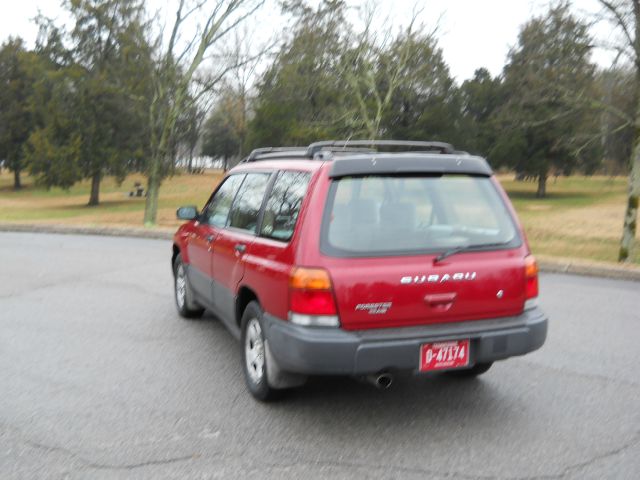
311	300
531	281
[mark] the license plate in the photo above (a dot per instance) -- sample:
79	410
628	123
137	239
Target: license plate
444	355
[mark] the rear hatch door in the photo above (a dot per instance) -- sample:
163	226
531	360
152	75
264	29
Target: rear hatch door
382	235
379	293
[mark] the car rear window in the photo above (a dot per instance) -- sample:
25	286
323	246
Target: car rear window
386	215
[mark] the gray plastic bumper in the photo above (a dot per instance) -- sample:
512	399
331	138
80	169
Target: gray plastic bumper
328	351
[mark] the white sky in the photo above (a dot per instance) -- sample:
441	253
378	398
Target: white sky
472	33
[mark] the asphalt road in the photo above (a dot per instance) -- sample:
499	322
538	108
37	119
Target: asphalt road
100	378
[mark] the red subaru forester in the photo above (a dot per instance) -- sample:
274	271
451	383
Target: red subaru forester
360	258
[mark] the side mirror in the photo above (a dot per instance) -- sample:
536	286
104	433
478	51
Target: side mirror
187	213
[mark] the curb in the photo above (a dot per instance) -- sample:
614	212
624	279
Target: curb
80	230
581	267
546	264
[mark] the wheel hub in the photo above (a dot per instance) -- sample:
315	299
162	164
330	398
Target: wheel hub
254	351
181	287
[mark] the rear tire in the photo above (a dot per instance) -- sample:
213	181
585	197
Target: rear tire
477	369
254	358
186	305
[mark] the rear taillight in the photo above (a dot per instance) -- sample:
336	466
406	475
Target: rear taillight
531	281
311	300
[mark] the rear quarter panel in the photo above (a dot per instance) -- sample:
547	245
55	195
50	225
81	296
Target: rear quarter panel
268	262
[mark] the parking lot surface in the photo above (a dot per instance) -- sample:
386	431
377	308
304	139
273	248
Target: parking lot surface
100	378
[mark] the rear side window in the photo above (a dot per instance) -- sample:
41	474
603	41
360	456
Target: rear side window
217	211
387	215
246	206
283	205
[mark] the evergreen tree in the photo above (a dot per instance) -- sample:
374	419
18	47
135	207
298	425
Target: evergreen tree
17	82
542	122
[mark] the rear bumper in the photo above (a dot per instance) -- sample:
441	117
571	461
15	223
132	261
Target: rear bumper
324	351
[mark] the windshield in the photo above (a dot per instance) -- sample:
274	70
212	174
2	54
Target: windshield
380	215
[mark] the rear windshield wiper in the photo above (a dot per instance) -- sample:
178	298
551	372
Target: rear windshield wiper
464	248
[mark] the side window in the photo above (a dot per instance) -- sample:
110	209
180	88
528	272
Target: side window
283	205
217	211
246	206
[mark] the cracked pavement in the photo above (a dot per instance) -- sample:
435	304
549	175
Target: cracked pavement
100	378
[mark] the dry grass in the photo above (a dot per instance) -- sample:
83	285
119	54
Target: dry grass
37	205
581	218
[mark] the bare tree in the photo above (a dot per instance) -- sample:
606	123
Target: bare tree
625	15
247	55
372	82
174	85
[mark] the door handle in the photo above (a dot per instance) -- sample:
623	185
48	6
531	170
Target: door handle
240	247
210	238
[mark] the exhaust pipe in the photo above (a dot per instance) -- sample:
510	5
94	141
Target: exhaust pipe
381	381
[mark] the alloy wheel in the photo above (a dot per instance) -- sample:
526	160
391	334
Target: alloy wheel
254	351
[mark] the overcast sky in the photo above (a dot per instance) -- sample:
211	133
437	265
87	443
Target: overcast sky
472	33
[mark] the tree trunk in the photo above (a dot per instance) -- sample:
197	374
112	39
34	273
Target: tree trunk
190	164
94	197
542	186
631	214
17	183
153	189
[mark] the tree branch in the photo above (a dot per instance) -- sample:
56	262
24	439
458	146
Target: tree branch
620	20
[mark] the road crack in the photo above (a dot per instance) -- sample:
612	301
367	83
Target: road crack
590	462
395	469
87	463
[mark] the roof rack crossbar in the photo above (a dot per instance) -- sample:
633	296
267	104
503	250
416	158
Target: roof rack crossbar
335	145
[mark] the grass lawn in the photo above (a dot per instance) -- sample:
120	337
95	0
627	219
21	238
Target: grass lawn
38	205
580	218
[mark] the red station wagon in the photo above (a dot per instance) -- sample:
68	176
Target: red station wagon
360	258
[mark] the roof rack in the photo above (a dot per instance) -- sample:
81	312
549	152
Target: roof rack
338	145
347	146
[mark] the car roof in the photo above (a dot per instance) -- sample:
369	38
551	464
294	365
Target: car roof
375	163
363	157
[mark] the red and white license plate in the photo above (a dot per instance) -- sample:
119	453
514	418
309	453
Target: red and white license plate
444	355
